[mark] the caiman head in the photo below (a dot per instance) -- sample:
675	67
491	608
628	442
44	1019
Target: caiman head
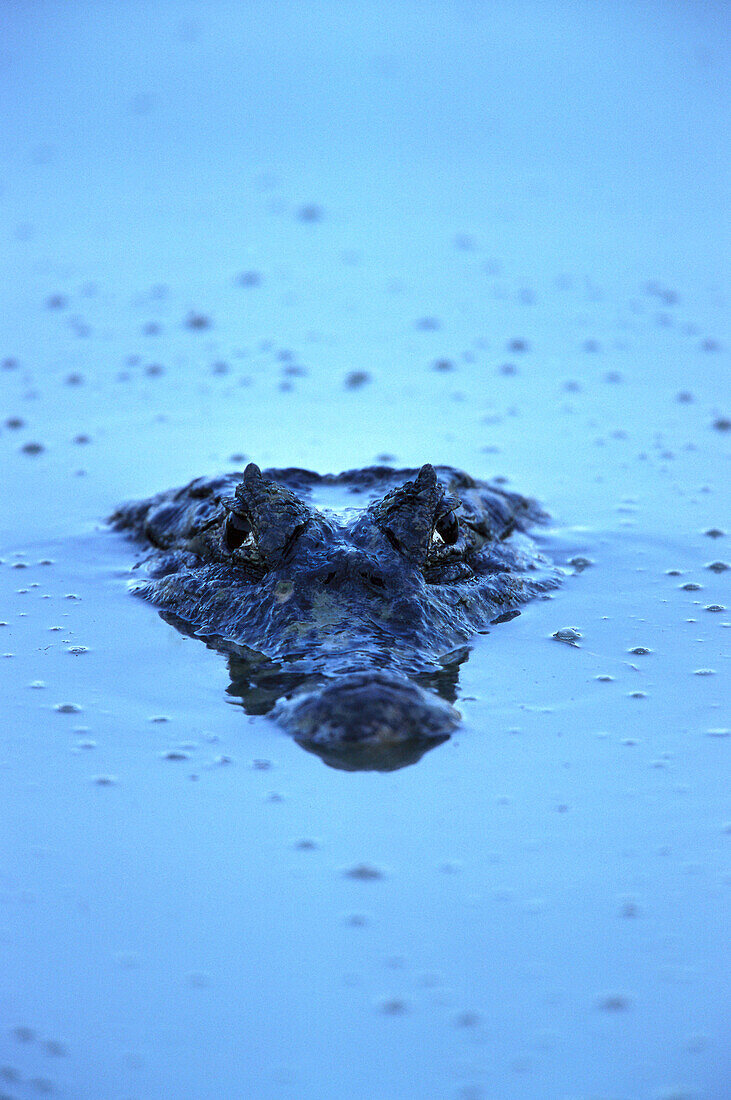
351	608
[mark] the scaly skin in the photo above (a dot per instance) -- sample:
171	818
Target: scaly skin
343	616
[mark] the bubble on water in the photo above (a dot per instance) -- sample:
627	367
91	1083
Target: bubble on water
690	586
393	1006
77	650
159	718
32	448
67	708
356	379
714	533
719	731
175	754
197	321
249	279
639	651
580	563
357	920
443	365
365	872
23	1034
55	1049
614	1002
467	1018
306	844
715	607
604	678
704	672
104	780
310	213
568	634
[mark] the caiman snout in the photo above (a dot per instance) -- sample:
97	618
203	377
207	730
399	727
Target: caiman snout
376	707
350	564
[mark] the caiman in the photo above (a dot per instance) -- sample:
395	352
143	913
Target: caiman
351	620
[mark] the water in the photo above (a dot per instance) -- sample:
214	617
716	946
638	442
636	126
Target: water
533	194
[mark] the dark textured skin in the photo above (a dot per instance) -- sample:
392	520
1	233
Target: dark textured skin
347	618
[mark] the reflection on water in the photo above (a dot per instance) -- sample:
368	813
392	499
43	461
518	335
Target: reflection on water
369	757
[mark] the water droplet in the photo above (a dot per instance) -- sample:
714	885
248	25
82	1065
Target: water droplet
365	872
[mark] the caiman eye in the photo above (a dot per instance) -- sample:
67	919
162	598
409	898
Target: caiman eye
236	531
447	528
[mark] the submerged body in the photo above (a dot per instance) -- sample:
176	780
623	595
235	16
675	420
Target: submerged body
343	614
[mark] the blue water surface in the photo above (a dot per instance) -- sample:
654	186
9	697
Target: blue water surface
510	221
